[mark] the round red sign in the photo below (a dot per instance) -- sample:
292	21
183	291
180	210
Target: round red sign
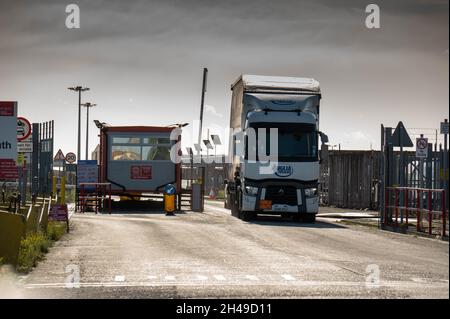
23	129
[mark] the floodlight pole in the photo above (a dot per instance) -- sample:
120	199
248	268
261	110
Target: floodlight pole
205	76
87	106
79	89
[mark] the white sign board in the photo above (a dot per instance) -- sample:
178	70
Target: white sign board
8	130
26	146
422	147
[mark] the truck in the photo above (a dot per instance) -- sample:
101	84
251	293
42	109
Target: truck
282	112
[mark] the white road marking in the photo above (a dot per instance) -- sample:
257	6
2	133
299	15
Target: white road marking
391	284
219	277
252	277
418	280
119	278
288	277
200	277
169	278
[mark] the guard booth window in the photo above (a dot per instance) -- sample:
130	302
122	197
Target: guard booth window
140	149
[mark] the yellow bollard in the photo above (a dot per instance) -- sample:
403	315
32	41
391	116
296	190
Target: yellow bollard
63	190
169	204
54	186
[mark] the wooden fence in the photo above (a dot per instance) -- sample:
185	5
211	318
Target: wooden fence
351	179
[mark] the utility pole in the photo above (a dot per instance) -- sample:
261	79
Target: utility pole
87	105
79	89
205	79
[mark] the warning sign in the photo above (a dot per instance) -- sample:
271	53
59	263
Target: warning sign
422	147
141	172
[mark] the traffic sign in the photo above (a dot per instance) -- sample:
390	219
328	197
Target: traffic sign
59	158
23	129
401	138
422	147
71	158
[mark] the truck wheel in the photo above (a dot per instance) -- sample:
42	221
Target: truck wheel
309	218
233	206
226	204
234	211
246	216
297	218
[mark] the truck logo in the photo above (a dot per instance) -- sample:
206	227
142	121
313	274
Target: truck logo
283	102
284	171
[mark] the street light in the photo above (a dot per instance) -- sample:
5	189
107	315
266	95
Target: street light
216	141
79	89
87	105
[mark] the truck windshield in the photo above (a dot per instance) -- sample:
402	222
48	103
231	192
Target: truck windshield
296	142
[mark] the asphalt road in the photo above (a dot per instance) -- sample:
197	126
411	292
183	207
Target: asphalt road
212	254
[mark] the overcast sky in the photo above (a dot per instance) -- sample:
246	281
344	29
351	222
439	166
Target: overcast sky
143	61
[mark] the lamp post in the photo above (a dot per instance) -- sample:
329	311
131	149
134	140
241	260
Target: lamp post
79	89
87	105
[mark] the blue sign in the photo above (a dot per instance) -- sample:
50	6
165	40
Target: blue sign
87	172
170	189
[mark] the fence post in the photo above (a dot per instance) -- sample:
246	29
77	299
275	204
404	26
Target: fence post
386	205
443	213
396	207
418	210
406	205
430	213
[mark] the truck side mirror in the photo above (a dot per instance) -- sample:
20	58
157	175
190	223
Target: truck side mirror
225	181
323	138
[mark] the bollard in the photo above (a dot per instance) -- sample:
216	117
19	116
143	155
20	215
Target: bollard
169	199
53	186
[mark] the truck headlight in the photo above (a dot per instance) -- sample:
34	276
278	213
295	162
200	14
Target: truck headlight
311	192
251	190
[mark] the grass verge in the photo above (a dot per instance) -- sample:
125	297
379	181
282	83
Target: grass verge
34	246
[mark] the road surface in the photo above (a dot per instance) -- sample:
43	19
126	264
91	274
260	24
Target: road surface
212	254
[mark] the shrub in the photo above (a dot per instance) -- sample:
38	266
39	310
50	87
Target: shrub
55	230
32	249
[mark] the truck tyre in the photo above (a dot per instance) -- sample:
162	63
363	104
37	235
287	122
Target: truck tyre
226	202
297	218
233	206
246	216
309	218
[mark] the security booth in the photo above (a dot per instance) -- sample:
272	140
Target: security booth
136	160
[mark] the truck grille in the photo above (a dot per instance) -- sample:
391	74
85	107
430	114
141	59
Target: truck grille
282	195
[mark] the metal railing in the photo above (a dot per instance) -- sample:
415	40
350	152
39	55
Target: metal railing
406	205
94	194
